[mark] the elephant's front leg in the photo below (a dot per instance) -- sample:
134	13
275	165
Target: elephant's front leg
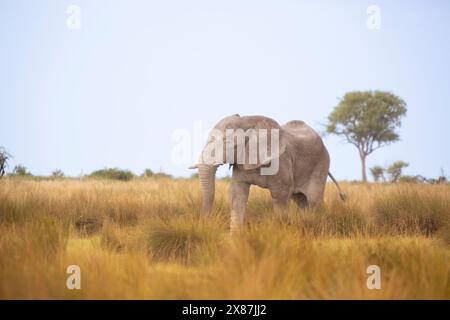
239	197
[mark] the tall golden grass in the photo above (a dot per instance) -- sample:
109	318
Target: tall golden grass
147	239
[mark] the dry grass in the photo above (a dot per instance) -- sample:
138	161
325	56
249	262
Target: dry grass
147	239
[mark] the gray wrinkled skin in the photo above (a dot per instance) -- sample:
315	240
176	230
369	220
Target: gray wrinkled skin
303	168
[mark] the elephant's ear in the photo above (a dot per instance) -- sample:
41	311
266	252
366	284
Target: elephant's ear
266	141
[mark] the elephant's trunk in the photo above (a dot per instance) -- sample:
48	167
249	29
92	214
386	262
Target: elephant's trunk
207	175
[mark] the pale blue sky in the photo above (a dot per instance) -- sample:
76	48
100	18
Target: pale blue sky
112	93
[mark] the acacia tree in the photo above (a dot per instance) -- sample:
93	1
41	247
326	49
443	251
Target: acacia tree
368	120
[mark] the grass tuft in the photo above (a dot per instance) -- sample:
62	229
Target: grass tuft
408	210
183	238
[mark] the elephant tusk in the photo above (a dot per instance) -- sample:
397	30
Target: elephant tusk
194	166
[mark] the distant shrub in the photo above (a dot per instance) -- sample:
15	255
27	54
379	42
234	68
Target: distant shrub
395	170
57	173
412	179
422	179
21	171
113	173
148	173
377	173
162	175
440	179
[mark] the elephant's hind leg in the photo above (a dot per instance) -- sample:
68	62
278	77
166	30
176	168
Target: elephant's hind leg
300	199
280	201
315	193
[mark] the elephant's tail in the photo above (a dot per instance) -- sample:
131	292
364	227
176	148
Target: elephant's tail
342	194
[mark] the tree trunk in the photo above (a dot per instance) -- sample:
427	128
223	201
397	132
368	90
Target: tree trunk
363	166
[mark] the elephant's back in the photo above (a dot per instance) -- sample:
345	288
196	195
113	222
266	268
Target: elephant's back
300	130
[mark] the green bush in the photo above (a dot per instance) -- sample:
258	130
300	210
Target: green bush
57	174
162	175
148	173
113	173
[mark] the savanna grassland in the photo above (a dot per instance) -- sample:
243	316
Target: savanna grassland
147	239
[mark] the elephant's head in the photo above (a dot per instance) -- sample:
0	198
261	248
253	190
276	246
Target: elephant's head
252	141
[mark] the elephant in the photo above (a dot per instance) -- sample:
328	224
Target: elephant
300	160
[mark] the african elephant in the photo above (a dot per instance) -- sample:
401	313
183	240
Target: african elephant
296	168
